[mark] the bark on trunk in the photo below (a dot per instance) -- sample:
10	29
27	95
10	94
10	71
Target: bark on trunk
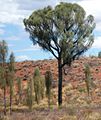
49	101
59	83
10	104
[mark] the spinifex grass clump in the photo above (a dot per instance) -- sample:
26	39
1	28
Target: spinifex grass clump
48	84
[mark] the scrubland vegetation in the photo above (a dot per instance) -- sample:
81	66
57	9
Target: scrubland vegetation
67	33
38	100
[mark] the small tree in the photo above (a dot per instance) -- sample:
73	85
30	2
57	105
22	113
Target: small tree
3	56
37	85
88	78
19	85
11	68
30	93
65	31
42	87
48	84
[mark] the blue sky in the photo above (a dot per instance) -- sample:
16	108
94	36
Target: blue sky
12	13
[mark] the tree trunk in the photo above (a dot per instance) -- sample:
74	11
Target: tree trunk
10	103
49	100
59	83
19	97
4	101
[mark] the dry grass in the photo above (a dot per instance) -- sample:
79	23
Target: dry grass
64	113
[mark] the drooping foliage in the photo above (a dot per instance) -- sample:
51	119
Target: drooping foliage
65	31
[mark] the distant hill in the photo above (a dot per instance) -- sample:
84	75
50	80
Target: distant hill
74	88
74	74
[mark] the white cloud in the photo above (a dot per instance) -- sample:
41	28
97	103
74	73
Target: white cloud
93	7
31	48
14	11
98	26
2	25
35	4
11	45
97	42
1	31
22	58
13	38
10	12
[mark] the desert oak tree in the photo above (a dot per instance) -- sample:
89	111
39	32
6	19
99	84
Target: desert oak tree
65	31
3	72
11	67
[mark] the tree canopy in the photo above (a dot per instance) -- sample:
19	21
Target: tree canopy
3	51
65	31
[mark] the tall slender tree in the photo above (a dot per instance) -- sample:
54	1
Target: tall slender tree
42	87
19	86
65	31
48	84
30	93
11	71
3	56
88	81
37	88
